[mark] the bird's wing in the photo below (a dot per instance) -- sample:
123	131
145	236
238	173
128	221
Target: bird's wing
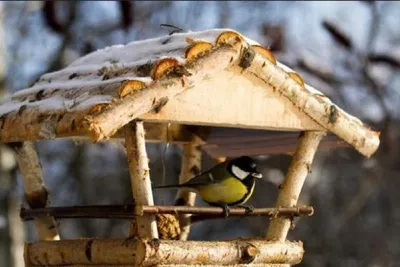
215	175
201	179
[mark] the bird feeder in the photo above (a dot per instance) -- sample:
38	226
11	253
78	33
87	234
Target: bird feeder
196	89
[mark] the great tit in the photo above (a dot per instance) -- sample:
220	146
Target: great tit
230	183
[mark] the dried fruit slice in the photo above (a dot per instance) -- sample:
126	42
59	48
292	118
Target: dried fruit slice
197	49
128	87
265	52
163	66
228	37
97	108
297	78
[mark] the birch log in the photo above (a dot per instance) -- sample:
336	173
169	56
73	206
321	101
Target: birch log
181	265
140	177
122	111
317	106
165	252
35	191
294	181
191	166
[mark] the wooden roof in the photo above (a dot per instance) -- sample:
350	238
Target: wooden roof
215	78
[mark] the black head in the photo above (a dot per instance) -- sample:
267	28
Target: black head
244	167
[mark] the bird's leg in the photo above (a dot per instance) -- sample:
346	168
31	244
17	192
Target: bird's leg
225	208
249	209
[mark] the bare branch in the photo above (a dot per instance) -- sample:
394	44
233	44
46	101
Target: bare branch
338	35
384	58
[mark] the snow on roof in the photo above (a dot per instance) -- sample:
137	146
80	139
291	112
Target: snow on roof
110	65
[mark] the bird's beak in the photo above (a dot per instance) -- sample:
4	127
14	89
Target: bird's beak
256	175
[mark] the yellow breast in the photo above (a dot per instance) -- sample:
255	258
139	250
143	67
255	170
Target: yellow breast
228	191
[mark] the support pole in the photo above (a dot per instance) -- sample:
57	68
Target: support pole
35	191
294	181
191	166
146	226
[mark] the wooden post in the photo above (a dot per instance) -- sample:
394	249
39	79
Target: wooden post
35	191
191	166
146	226
296	176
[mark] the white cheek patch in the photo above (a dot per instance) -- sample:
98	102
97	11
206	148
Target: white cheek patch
239	173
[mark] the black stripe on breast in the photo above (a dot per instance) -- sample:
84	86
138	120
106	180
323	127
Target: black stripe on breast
249	183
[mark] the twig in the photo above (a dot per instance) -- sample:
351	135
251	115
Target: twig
339	36
384	58
175	29
128	211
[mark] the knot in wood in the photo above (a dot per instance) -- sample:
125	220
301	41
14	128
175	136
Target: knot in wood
248	252
154	244
247	58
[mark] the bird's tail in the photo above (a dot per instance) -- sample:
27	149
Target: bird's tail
169	186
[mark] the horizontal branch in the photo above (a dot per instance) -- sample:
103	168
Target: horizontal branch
129	212
180	265
140	252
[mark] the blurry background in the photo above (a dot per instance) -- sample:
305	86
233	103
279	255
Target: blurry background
348	50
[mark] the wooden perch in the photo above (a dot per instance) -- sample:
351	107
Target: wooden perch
155	252
128	211
179	265
290	190
140	177
191	166
35	191
122	111
317	106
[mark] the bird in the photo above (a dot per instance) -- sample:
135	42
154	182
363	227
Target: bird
230	183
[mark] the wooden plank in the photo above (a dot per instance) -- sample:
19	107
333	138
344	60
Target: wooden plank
229	99
225	142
